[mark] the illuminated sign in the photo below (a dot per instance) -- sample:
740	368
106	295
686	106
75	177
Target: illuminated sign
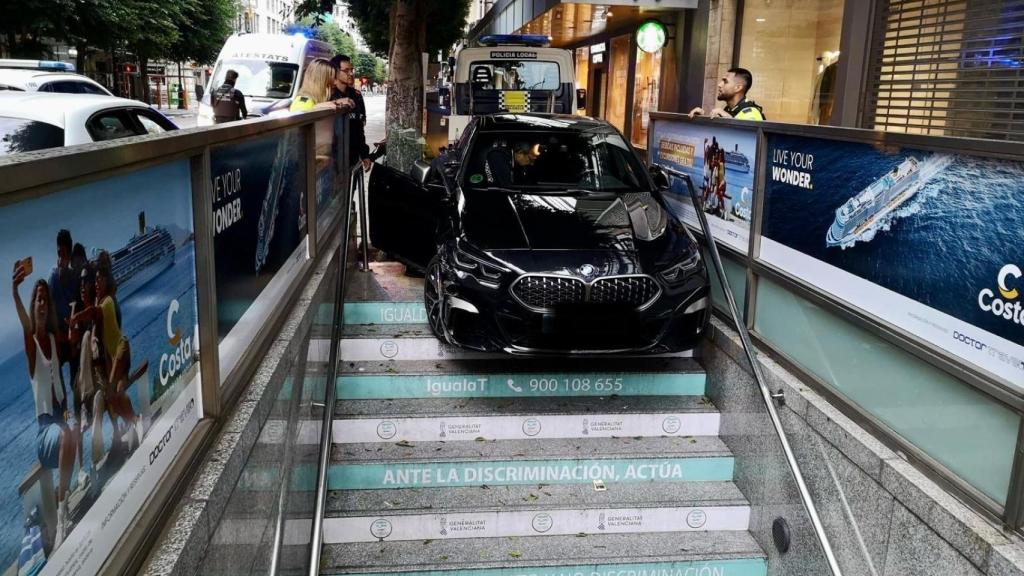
651	36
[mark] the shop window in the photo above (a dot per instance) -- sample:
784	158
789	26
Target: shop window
646	92
582	71
615	110
792	50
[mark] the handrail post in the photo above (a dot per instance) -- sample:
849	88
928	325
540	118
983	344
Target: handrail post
766	394
326	437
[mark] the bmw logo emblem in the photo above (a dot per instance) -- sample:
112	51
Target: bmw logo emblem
587	270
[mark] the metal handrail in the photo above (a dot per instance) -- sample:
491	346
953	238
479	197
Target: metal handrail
330	397
766	394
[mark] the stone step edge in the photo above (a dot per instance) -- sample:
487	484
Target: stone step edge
532	523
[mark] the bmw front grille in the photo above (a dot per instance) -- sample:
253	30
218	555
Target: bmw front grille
542	292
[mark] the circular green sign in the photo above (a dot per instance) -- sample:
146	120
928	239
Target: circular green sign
476	178
651	36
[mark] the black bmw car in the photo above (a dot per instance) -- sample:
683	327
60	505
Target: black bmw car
544	234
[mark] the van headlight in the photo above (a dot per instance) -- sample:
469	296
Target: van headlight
205	117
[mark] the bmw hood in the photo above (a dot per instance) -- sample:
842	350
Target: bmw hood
599	222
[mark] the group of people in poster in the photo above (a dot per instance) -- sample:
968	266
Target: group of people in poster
72	320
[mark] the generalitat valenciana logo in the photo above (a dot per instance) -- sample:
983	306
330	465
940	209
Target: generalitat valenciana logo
1007	304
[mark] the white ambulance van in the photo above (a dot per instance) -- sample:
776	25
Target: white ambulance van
511	73
269	66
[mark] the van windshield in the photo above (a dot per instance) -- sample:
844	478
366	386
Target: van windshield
514	75
258	78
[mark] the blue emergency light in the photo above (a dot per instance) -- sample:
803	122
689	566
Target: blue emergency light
37	65
535	40
52	65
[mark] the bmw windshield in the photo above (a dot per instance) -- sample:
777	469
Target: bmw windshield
554	161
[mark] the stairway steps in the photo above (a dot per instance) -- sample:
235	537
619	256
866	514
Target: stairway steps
563	448
341	503
732	553
412	408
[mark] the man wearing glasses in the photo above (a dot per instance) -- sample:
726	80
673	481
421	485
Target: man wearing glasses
344	82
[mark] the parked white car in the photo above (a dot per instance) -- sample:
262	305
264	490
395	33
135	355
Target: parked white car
37	120
24	80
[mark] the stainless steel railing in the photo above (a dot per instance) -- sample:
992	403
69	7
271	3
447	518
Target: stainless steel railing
766	395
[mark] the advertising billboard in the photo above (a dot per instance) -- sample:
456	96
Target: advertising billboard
99	357
259	214
721	161
928	241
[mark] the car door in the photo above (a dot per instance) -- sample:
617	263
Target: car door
404	215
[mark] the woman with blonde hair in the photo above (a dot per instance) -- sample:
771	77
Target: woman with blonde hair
317	85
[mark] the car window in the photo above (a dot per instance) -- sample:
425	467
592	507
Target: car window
21	135
152	122
63	87
11	88
88	88
536	160
111	125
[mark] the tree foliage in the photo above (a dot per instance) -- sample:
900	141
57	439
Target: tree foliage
445	19
331	33
365	65
205	24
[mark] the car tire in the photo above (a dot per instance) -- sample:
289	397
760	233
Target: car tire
433	298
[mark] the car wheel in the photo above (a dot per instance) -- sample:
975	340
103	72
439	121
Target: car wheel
433	298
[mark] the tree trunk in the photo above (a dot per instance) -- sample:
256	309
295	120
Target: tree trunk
80	57
143	81
404	115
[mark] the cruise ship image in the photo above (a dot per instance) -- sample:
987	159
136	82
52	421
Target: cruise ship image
146	255
861	213
736	160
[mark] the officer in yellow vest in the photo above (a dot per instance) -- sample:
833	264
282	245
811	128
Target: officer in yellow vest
732	89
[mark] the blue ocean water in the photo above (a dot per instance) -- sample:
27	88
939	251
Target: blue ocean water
940	248
144	316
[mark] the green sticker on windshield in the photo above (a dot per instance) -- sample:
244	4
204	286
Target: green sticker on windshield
476	178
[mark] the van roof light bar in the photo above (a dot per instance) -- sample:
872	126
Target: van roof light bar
37	65
536	40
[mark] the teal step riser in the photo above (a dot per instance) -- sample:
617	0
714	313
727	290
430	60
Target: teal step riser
739	567
498	473
518	385
385	313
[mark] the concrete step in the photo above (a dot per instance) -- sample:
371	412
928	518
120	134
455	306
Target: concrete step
716	553
342	503
476	419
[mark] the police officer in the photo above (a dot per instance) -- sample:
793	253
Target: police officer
228	103
732	89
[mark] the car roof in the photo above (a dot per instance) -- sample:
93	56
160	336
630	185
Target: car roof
20	76
52	108
545	122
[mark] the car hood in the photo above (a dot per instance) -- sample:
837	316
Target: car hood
616	222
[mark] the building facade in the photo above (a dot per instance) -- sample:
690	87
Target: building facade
264	16
915	66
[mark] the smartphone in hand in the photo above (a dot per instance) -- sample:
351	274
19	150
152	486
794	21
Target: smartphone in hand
26	265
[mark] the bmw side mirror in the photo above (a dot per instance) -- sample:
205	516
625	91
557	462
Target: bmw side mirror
660	178
420	172
581	98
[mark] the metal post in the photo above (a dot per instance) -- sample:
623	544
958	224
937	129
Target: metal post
206	283
766	394
311	189
364	219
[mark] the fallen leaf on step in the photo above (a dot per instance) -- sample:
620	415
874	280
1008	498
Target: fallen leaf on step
425	542
514	553
405	444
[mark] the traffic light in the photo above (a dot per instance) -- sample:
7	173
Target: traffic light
131	69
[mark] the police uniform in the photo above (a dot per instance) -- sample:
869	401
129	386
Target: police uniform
746	110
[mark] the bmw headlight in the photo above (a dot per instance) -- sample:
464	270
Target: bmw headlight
682	269
476	265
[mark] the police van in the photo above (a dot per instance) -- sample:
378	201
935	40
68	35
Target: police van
269	66
511	73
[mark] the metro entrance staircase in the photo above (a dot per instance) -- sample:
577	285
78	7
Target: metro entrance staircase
450	462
